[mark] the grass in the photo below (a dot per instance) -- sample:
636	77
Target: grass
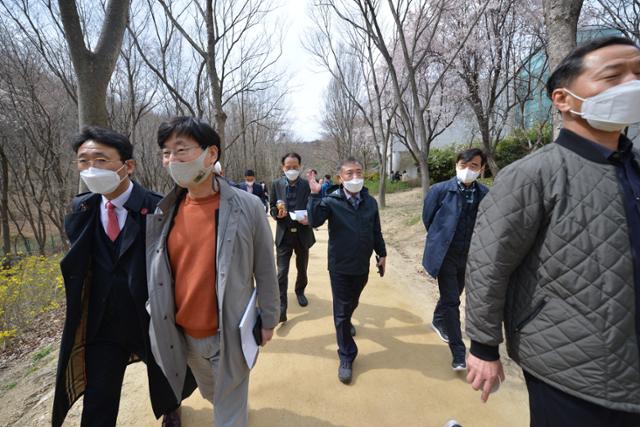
41	354
413	220
390	187
9	386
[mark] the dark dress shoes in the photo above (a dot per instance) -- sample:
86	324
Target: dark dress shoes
172	419
302	300
345	372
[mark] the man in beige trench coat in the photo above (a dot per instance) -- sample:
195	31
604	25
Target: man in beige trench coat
207	244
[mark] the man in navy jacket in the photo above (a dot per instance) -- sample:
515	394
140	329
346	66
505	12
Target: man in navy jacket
354	233
449	214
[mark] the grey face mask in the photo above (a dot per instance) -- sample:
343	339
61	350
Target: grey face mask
188	173
611	110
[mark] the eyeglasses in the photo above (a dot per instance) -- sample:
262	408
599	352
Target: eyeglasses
180	153
99	163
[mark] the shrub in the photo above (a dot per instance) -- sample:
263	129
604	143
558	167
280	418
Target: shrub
28	287
520	143
390	187
442	163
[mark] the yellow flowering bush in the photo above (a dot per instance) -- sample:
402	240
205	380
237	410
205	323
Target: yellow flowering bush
29	286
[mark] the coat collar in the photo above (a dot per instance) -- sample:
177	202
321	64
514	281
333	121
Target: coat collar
588	149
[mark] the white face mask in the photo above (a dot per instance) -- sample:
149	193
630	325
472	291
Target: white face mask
353	186
101	181
188	173
292	174
466	175
612	110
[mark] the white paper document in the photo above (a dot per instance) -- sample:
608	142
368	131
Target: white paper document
249	346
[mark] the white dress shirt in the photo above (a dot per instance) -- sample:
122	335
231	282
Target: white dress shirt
118	202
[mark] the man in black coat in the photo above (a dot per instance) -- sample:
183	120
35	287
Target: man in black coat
289	194
106	325
354	233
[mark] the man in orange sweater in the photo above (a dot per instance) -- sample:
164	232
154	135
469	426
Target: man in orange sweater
209	243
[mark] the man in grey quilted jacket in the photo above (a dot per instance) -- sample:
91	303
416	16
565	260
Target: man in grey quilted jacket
555	254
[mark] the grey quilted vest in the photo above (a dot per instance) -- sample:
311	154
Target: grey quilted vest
550	256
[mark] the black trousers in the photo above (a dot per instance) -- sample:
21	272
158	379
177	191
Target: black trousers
550	407
346	290
447	312
290	244
107	356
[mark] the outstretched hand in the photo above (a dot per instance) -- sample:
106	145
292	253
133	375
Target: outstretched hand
314	185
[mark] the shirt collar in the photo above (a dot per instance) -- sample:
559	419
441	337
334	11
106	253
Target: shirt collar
463	187
349	196
119	201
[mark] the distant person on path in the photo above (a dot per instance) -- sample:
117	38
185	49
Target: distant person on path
290	193
208	242
449	215
556	253
251	186
354	233
326	184
106	287
265	190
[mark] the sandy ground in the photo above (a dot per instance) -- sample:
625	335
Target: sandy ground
402	376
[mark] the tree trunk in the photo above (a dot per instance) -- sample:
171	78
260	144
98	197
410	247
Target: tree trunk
425	179
92	102
214	81
94	69
4	207
561	20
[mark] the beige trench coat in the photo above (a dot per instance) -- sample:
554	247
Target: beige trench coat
244	257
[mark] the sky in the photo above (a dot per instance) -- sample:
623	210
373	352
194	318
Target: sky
308	78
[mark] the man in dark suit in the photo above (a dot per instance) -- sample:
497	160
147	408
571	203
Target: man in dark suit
251	186
289	194
106	325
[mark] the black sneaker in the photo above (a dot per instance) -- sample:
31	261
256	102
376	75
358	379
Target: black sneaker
345	371
439	329
283	316
459	363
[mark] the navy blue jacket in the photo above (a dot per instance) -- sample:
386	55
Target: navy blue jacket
257	190
440	215
353	233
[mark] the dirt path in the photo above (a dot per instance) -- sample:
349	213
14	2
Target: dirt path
402	376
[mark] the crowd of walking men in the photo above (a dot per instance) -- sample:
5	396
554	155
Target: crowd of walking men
551	253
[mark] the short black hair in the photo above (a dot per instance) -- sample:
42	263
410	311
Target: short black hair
327	176
348	161
106	137
191	127
468	154
571	66
249	172
292	154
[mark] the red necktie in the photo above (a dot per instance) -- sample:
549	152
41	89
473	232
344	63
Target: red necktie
113	227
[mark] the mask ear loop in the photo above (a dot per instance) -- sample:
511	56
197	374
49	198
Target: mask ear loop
576	97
